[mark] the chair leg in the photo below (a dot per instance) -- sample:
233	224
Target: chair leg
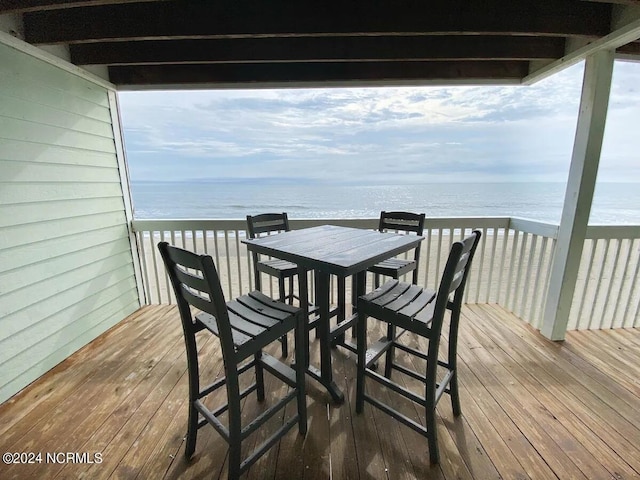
452	361
235	423
432	434
282	298
390	354
430	401
194	390
290	296
259	376
300	356
362	357
455	396
192	431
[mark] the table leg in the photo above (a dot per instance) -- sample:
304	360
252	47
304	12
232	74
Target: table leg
358	287
342	309
303	293
326	372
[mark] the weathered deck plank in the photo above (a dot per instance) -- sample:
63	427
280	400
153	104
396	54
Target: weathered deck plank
602	408
531	409
34	403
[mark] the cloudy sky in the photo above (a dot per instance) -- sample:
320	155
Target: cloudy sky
378	135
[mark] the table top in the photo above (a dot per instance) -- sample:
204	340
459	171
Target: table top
333	249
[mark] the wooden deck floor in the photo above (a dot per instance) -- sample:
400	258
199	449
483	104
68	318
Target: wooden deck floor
531	409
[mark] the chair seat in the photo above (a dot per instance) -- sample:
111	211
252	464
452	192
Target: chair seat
402	304
277	268
256	321
394	267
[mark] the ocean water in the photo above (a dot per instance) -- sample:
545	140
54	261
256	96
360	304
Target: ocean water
614	203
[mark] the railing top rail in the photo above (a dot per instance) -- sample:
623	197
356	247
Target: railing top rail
613	231
526	225
145	225
240	224
535	227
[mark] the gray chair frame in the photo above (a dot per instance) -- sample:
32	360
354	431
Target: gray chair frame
396	267
280	269
244	327
420	311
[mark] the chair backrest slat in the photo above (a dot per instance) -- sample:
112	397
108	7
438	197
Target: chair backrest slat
401	221
455	276
199	288
196	282
260	224
184	258
408	222
466	254
195	300
267	223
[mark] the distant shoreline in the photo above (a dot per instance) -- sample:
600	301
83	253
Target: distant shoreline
614	203
297	181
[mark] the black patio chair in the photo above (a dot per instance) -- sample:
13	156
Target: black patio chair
282	270
409	223
420	311
396	267
244	326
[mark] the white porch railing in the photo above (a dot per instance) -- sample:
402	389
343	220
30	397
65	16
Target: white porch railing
511	267
607	294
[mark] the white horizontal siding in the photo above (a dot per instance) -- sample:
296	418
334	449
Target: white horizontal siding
26	88
20	109
49	83
38	172
66	267
59	209
34	132
21	278
33	152
49	230
36	253
11	193
51	295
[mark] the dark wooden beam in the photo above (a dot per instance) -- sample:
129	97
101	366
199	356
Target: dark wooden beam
620	2
632	48
313	49
281	18
315	74
22	6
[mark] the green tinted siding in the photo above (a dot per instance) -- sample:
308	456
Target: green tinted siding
66	269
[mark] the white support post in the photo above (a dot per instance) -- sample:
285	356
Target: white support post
579	194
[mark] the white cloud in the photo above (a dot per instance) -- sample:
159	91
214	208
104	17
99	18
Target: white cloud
405	134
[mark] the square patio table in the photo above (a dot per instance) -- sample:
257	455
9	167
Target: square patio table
331	250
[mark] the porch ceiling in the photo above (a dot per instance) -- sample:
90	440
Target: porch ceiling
156	43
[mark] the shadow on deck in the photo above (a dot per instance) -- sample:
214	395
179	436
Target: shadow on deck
531	409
